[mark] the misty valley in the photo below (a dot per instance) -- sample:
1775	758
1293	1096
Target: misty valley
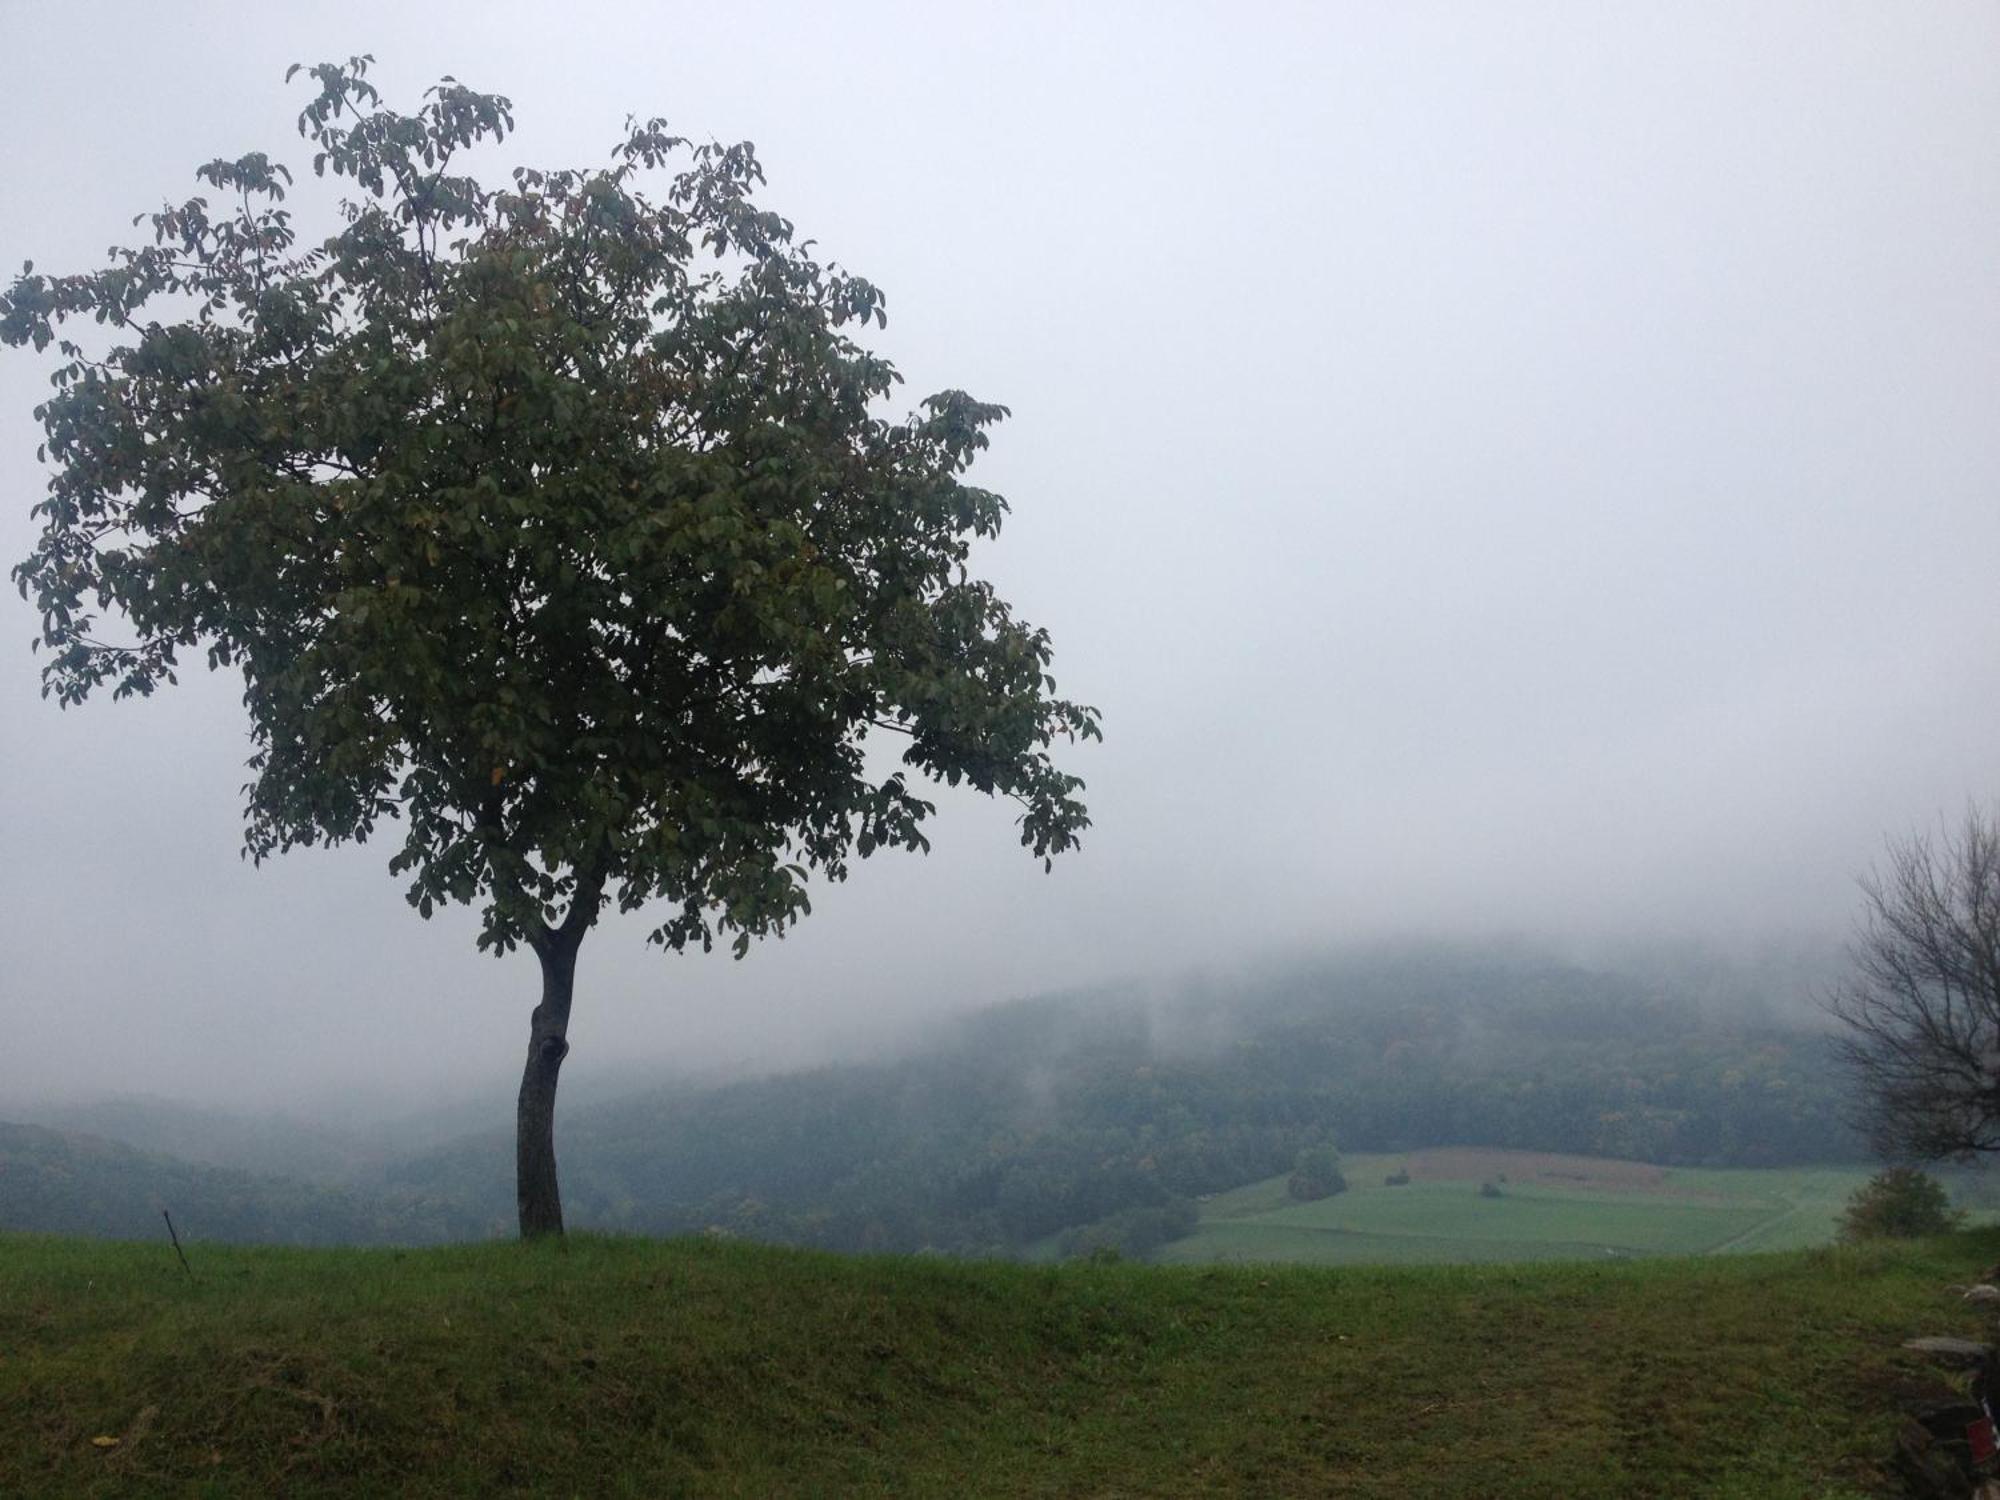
1140	1124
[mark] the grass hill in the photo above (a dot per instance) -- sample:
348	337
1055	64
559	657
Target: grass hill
718	1368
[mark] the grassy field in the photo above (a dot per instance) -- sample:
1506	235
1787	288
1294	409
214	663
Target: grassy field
628	1367
1550	1208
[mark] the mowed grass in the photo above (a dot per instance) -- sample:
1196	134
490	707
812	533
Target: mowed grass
629	1367
1550	1208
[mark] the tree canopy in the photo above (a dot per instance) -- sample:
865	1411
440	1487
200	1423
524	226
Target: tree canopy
559	520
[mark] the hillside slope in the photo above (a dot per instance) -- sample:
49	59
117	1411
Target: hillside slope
1029	1119
707	1367
1100	1117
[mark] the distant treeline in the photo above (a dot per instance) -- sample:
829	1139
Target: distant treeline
1080	1123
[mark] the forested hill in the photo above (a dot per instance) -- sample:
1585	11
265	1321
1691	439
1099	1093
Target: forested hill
64	1182
1103	1116
1053	1114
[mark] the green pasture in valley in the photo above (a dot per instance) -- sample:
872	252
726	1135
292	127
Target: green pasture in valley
1549	1208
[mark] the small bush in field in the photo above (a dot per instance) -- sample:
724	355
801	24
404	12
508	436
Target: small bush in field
1899	1203
1316	1175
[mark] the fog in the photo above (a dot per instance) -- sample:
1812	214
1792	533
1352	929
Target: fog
1517	469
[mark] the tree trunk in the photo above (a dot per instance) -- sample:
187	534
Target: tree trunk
535	1116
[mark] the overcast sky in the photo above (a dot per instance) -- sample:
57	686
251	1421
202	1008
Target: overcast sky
1498	467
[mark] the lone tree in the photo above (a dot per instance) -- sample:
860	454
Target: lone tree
556	521
1921	1005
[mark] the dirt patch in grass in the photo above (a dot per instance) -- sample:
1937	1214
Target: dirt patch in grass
1484	1164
